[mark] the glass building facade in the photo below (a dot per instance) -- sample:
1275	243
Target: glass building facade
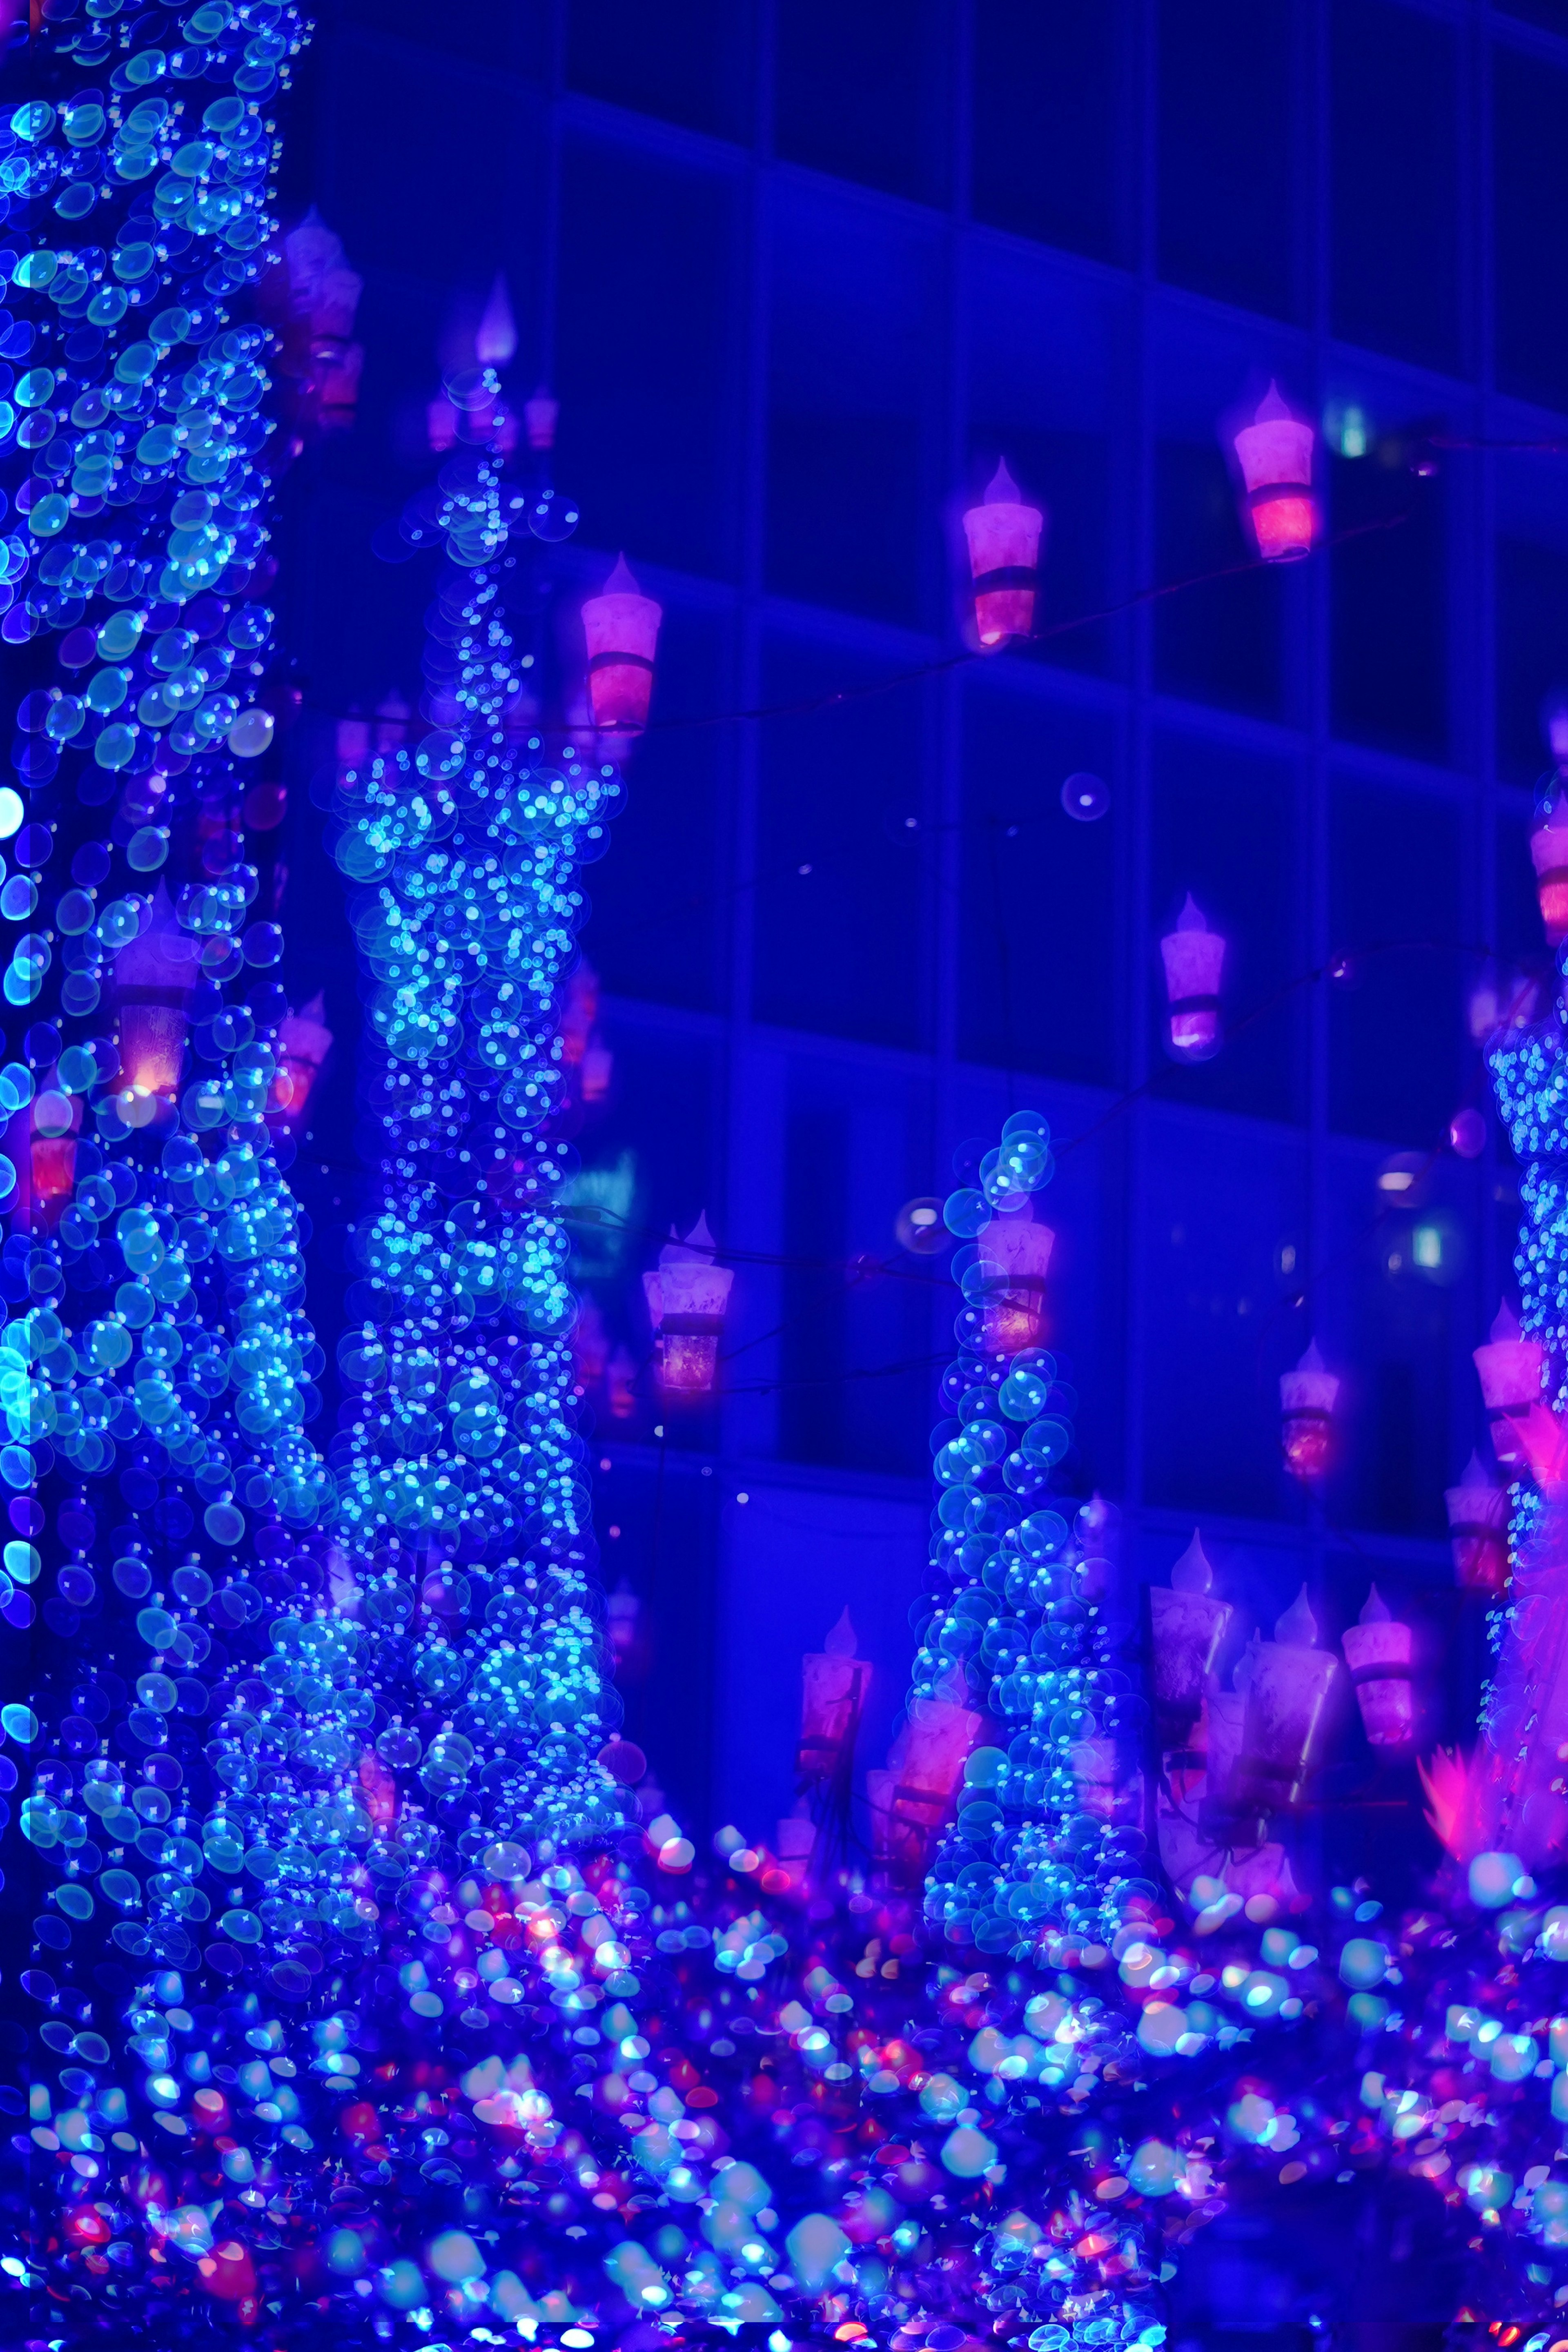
799	273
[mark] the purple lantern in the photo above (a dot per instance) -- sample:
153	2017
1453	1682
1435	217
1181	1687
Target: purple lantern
622	628
687	1298
1525	1436
1004	536
1188	1627
1275	453
1306	1414
1289	1685
1193	956
1477	1528
1379	1651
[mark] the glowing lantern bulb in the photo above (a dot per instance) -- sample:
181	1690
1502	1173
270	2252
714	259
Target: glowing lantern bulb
687	1298
1275	453
1306	1413
622	628
1525	1436
1378	1650
1193	956
1477	1528
1004	536
153	979
1014	1258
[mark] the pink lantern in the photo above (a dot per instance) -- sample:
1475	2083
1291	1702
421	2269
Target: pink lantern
1004	536
597	1067
152	981
1525	1436
1306	1414
538	420
304	1040
1478	1529
1015	1254
622	628
1193	956
1289	1684
1275	453
1379	1651
440	426
1188	1625
834	1684
1549	855
687	1298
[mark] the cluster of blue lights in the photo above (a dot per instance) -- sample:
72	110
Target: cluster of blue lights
459	1461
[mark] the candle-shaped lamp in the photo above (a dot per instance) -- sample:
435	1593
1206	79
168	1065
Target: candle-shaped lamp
1306	1414
1275	453
1193	956
304	1040
834	1684
621	626
1525	1436
1014	1257
1291	1681
687	1298
152	981
1378	1650
1003	536
1188	1625
1477	1528
1549	855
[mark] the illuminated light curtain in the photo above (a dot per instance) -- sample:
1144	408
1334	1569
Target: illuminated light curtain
1043	1862
461	1488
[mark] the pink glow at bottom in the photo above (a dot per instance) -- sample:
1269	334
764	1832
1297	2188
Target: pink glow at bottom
1003	612
620	694
688	1361
1194	1035
1285	528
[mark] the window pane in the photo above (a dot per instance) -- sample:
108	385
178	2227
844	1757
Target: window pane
855	1377
1389	627
837	945
1395	182
689	60
850	516
1220	642
1037	956
1222	1225
1225	828
1400	1308
646	433
1226	110
1531	228
1048	142
1394	1026
660	923
862	89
